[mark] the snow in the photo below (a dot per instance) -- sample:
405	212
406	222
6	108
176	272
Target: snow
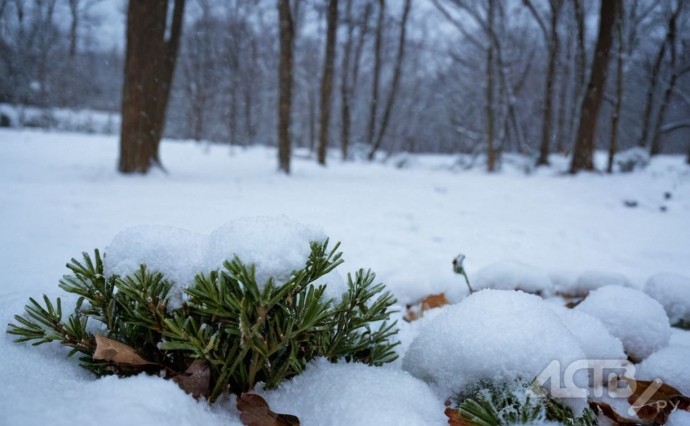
60	195
678	418
664	365
512	275
495	335
673	292
592	280
635	318
356	394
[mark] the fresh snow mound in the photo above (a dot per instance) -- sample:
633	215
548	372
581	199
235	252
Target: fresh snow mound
275	245
177	253
678	418
492	335
670	365
352	394
511	275
595	340
592	280
635	318
673	292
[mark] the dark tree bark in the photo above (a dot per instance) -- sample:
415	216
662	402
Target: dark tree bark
345	94
149	67
584	144
285	81
394	84
615	118
377	73
490	117
327	82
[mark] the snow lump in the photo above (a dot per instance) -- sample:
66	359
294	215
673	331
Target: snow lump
635	318
494	335
673	292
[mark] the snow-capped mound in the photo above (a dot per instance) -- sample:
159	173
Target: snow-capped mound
670	365
635	318
511	275
494	335
275	245
351	394
177	253
678	418
595	340
592	280
673	292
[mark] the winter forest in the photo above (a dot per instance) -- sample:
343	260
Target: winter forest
345	212
445	76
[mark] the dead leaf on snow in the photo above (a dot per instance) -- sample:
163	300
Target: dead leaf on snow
609	412
118	353
255	412
417	310
654	401
196	380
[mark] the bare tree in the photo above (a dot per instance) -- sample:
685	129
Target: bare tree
327	82
149	67
490	116
377	73
584	144
285	81
615	117
393	91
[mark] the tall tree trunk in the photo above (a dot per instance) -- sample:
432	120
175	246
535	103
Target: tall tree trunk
583	155
149	68
327	82
377	73
651	91
73	28
661	115
394	84
490	118
287	35
615	118
580	72
345	84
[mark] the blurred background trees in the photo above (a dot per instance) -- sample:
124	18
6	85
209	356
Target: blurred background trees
483	77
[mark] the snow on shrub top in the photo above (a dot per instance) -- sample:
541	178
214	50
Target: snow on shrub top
356	394
670	365
635	318
492	335
275	245
673	292
592	280
511	275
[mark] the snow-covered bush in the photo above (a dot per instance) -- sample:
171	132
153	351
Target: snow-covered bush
639	321
236	327
511	275
632	159
664	365
673	292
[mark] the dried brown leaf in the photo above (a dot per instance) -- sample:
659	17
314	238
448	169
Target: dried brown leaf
432	301
256	412
609	412
196	381
654	401
118	353
455	419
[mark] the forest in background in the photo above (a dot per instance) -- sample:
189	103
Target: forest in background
448	76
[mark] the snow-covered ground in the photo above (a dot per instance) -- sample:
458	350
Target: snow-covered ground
60	195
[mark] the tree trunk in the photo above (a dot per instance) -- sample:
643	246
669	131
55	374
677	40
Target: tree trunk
583	155
490	150
377	73
394	84
345	84
287	35
615	119
149	67
553	43
327	82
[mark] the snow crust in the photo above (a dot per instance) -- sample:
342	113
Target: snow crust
275	245
356	394
635	318
673	292
671	365
512	275
495	335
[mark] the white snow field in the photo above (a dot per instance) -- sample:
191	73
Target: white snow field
548	231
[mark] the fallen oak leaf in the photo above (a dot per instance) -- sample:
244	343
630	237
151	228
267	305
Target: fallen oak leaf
196	380
430	302
256	412
118	353
654	401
